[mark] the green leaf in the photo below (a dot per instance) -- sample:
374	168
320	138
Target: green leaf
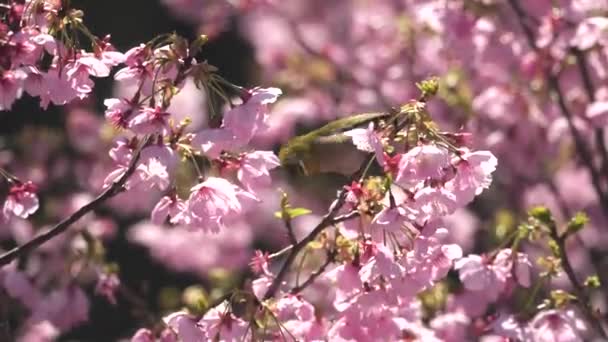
577	223
429	86
292	213
295	212
542	214
593	282
561	298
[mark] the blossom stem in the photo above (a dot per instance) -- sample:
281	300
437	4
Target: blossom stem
281	252
116	188
533	294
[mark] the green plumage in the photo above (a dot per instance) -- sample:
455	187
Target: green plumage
299	149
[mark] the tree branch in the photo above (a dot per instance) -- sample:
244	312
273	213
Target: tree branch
579	290
583	69
116	188
553	83
329	219
313	276
290	233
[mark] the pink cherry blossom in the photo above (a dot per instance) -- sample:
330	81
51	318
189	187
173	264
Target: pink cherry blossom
65	308
42	331
219	323
420	163
298	317
473	175
394	219
521	265
451	326
254	171
11	88
156	166
508	326
597	112
347	282
589	32
185	326
168	207
522	82
107	285
150	120
137	69
58	88
212	202
557	326
177	247
368	140
246	120
211	142
431	259
434	202
118	112
481	275
143	335
260	285
259	263
121	154
21	201
18	286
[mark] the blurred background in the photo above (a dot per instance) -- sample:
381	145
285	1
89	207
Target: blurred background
343	57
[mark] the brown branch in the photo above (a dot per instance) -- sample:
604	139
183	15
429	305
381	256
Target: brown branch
313	276
579	290
328	220
583	69
116	188
290	233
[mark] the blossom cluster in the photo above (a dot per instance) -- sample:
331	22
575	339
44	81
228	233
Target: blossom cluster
40	56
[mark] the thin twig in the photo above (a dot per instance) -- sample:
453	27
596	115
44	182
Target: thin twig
313	276
116	188
579	290
328	220
281	252
292	236
583	69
